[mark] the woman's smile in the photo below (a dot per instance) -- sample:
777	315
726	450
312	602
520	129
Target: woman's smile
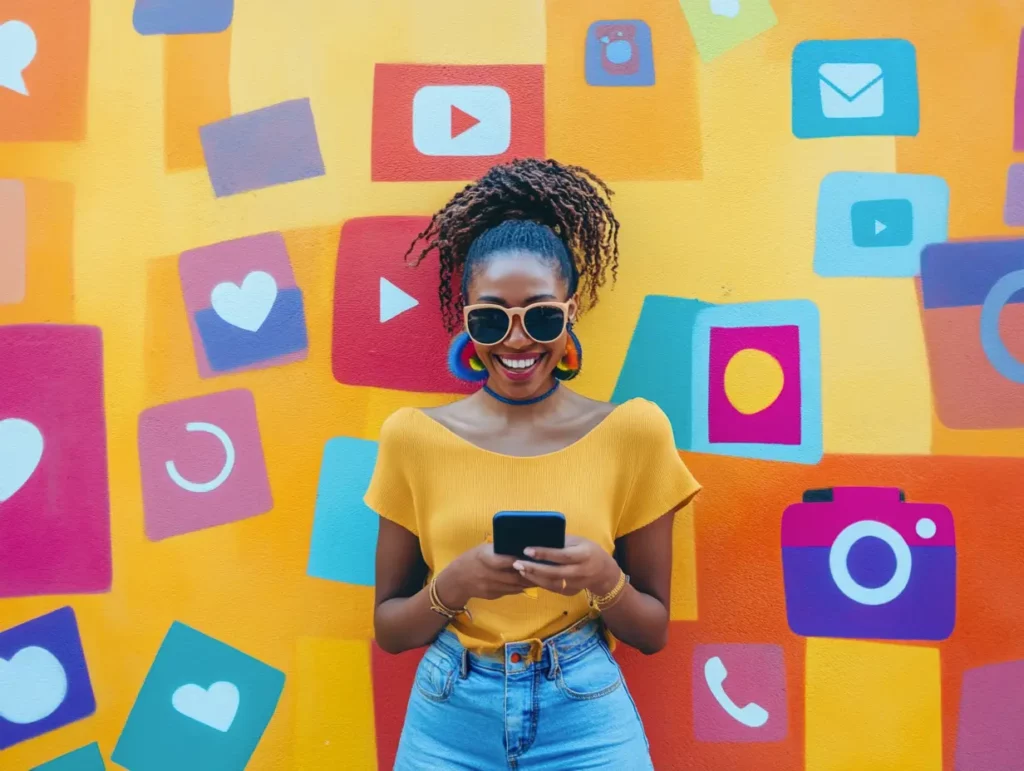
519	366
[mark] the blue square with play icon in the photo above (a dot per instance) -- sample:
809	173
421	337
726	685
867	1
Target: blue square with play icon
889	222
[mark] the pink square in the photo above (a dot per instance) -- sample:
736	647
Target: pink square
991	732
739	693
250	310
778	423
202	464
54	500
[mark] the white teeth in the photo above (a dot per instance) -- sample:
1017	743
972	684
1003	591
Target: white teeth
517	363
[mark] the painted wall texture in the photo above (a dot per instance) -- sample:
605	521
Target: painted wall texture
204	319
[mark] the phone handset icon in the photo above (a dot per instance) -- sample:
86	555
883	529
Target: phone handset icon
225	472
752	715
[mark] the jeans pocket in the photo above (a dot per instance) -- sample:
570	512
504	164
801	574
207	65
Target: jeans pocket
589	676
435	676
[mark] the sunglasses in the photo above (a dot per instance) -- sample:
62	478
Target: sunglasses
543	322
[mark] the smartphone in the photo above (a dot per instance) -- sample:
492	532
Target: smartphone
515	530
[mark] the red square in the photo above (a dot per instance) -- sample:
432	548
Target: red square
393	677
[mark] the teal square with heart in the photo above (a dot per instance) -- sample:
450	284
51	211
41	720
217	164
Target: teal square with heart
204	704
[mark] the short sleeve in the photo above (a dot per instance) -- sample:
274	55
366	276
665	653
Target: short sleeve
390	490
660	480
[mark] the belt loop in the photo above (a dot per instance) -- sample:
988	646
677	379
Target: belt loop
552	672
464	664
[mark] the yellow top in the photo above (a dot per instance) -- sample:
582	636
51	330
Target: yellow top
624	474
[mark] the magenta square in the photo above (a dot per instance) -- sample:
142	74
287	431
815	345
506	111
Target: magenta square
54	495
779	423
739	693
990	736
202	464
214	269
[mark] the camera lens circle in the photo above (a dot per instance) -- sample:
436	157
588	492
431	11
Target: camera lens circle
840	552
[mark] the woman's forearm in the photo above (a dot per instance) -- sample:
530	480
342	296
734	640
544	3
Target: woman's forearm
639	620
404	623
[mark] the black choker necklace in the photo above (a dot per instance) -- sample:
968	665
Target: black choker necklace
521	402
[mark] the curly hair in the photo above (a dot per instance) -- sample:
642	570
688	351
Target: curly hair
556	211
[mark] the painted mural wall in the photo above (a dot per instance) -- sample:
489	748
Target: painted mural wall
205	317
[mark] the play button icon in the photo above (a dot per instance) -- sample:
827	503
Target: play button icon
462	120
882	223
393	301
879	227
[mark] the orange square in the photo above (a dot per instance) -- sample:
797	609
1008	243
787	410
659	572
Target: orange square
48	221
46	43
623	132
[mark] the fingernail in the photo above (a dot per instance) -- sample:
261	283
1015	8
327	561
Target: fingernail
530	552
519	566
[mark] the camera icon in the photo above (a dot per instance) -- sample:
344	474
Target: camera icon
860	562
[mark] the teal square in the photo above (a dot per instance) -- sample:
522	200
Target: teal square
87	758
889	222
203	707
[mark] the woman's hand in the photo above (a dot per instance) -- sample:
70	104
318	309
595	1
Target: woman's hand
479	573
582	564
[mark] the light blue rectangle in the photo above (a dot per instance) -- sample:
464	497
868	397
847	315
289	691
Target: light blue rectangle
855	88
841	200
344	542
800	313
86	758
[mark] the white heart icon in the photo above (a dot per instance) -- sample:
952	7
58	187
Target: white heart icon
246	306
215	707
21	449
32	685
728	8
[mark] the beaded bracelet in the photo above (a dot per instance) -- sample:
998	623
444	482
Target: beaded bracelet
440	608
602	602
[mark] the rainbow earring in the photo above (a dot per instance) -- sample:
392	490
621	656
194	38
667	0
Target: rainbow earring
463	361
569	366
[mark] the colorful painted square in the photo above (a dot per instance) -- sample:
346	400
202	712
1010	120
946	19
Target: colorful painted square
388	330
44	681
989	735
973	316
271	146
54	500
453	122
855	88
344	529
13	226
718	26
739	693
619	53
44	70
86	758
182	17
393	678
202	464
245	310
871	224
204	704
756	381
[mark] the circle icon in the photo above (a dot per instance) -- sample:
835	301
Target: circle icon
840	569
995	349
753	380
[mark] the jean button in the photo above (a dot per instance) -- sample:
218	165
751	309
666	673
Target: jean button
515	658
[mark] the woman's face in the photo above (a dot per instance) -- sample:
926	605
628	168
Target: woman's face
519	366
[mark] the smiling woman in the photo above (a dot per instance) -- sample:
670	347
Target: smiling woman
519	659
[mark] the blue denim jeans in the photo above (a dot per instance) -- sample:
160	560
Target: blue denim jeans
560	703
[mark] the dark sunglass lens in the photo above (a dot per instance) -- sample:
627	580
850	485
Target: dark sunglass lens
487	326
544	323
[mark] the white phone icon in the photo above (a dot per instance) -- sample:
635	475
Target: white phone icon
752	715
225	472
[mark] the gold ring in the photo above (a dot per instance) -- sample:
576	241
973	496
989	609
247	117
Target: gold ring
564	584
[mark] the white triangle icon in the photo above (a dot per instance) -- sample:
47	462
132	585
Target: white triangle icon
879	227
393	301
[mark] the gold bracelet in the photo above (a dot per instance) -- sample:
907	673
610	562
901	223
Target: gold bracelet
440	608
602	602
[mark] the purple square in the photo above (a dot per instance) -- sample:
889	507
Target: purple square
739	693
990	736
44	681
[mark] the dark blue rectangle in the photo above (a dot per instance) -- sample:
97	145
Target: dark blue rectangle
957	274
228	347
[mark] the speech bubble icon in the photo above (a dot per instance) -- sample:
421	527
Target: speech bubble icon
17	51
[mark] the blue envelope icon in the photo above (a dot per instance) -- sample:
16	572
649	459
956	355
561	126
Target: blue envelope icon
852	90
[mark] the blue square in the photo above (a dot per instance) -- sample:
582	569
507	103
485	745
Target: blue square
86	758
344	543
44	681
876	224
229	347
182	17
855	88
203	705
659	361
619	53
889	222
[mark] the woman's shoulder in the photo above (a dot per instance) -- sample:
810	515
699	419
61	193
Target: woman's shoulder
640	420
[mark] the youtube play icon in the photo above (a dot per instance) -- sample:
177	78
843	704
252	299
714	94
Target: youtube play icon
461	122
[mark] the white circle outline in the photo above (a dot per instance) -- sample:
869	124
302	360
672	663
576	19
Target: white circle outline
840	552
225	472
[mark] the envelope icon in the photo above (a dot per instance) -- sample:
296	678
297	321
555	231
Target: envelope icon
851	90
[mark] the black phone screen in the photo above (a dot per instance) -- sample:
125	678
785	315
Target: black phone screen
515	530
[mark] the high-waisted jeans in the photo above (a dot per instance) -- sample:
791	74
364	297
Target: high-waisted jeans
560	703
